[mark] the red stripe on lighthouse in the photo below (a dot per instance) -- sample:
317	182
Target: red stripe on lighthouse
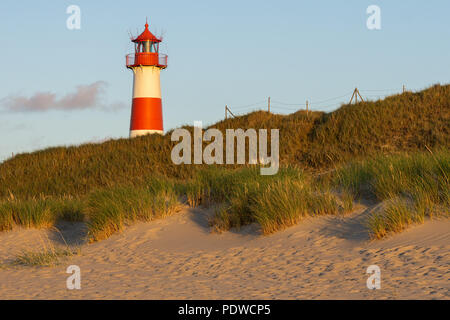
146	114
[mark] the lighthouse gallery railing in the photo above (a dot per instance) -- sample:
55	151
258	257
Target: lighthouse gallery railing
146	59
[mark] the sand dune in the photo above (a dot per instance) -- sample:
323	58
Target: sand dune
178	257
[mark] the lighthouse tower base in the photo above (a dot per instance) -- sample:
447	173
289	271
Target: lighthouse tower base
138	133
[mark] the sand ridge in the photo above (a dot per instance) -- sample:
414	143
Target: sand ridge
179	258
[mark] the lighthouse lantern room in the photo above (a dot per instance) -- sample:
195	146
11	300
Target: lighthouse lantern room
146	64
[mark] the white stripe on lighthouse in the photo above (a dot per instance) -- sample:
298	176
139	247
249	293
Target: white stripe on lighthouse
146	82
138	133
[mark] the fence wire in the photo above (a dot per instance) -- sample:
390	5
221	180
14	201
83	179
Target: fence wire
314	105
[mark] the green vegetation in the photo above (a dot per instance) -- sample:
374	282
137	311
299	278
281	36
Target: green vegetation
42	212
236	191
49	255
314	141
110	210
394	150
275	202
397	216
45	258
414	186
285	203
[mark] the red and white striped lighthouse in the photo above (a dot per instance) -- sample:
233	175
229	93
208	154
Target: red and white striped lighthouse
146	64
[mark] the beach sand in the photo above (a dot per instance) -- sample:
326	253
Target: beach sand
179	258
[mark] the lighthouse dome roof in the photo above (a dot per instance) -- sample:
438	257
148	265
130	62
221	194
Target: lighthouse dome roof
146	35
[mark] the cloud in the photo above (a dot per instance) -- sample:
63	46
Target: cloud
84	97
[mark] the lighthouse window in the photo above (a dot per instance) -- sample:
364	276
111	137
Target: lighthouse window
147	46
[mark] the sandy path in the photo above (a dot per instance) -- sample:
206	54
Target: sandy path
178	257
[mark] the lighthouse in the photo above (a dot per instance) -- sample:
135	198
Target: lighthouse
146	64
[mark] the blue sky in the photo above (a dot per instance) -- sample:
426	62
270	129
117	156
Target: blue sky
221	53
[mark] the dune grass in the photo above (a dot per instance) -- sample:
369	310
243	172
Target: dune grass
275	203
48	255
44	258
397	216
378	150
284	203
415	186
236	190
39	213
313	141
399	123
110	210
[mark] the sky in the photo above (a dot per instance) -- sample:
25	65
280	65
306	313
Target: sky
63	87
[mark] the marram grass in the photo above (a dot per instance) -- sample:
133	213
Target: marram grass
415	187
379	150
313	141
44	258
243	196
109	211
39	213
47	256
